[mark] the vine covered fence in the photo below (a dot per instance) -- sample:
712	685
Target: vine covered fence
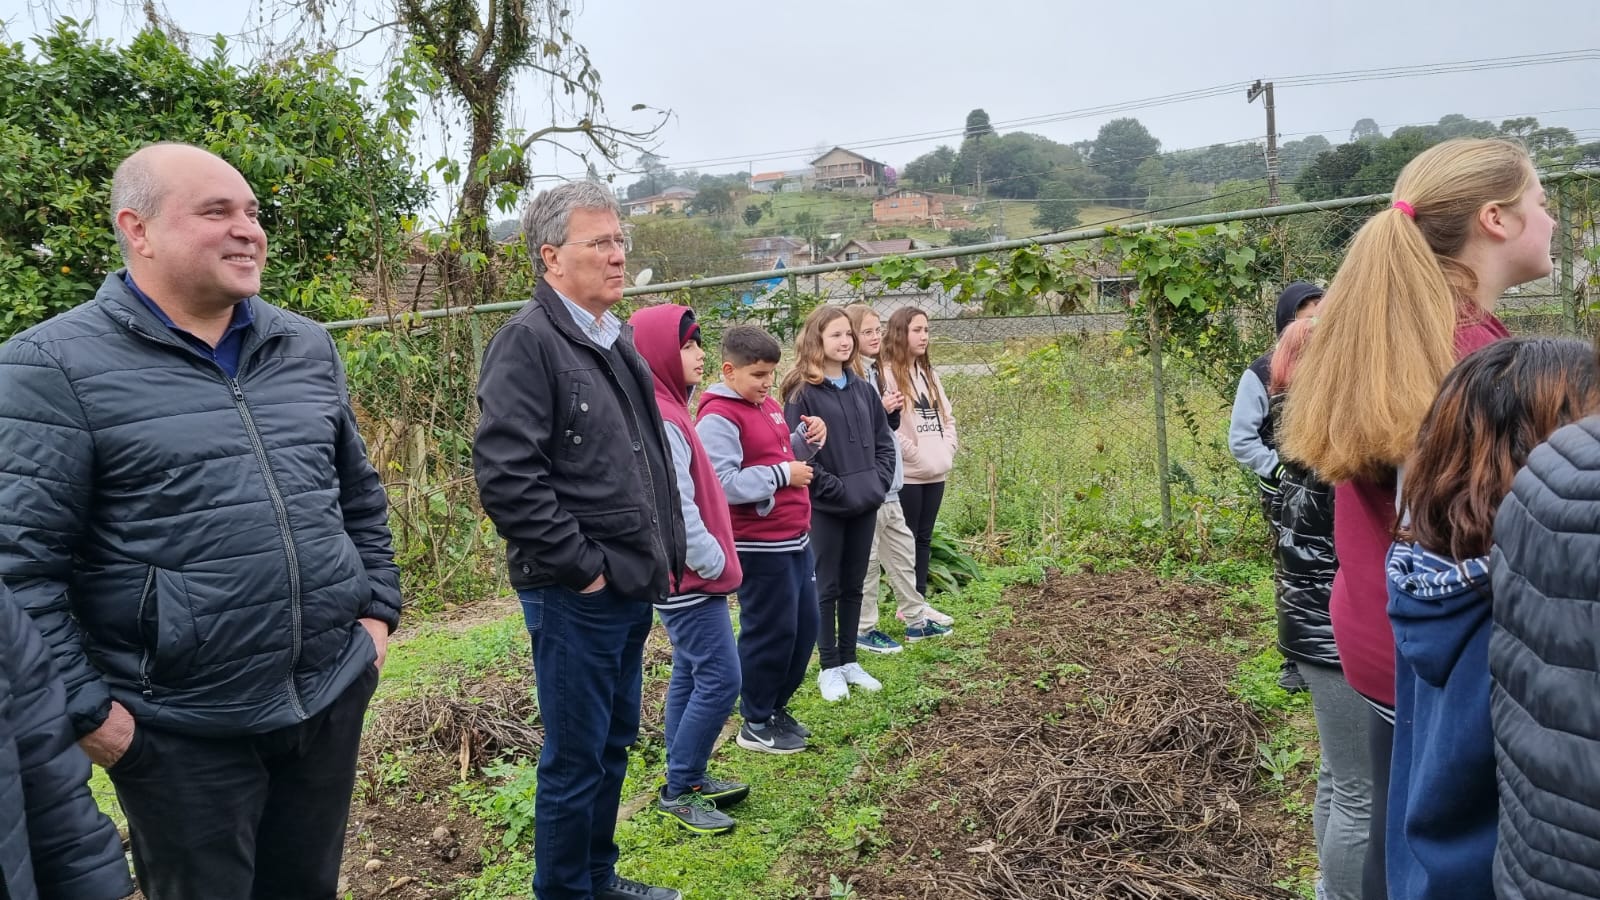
1091	372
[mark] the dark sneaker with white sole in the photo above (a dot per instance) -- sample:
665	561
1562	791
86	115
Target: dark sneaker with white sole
785	720
695	812
627	889
769	738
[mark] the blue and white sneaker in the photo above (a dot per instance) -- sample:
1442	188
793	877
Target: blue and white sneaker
876	641
927	628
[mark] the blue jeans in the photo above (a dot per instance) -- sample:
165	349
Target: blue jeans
588	652
705	682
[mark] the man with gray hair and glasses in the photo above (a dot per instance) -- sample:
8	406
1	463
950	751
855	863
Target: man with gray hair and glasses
572	467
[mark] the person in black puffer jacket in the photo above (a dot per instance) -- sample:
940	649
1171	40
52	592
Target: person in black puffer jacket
55	844
1544	660
1306	565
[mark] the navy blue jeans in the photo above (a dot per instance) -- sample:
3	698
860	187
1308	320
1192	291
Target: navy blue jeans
705	682
777	628
588	652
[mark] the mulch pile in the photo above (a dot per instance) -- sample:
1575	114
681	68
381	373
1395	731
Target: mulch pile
1113	764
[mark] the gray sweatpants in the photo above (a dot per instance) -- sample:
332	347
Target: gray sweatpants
1344	780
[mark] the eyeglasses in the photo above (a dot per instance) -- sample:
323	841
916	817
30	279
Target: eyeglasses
605	244
870	332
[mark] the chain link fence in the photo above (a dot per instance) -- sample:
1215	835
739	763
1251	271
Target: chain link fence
1076	440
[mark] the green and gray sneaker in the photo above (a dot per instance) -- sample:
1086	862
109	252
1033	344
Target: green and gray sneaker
723	793
695	812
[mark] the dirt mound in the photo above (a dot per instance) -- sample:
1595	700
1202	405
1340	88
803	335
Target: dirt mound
1114	763
408	837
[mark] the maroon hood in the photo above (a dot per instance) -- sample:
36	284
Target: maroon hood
655	336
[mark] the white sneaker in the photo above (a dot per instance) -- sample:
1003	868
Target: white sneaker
854	674
833	684
935	615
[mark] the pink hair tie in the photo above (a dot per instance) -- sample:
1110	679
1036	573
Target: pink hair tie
1406	208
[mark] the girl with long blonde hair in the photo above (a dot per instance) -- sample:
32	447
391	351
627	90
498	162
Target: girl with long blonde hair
850	476
1416	292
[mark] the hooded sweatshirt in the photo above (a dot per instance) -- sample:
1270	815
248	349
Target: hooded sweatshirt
1442	793
750	447
713	567
927	429
852	471
1249	432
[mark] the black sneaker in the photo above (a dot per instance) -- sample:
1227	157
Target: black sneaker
783	719
626	889
769	738
695	812
723	793
1290	679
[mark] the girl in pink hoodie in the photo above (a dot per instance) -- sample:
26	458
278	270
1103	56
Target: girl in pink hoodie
927	431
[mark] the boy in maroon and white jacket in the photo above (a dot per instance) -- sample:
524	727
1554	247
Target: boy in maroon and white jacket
762	469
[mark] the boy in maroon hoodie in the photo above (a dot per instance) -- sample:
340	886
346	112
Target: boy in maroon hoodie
761	464
705	664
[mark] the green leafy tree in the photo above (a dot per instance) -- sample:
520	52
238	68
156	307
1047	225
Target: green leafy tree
932	168
1294	156
1366	130
1119	148
713	199
679	249
977	125
475	52
336	182
752	214
1058	211
1332	173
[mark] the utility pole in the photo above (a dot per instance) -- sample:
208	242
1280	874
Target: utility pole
1251	94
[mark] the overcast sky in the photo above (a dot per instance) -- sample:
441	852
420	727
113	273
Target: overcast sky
769	82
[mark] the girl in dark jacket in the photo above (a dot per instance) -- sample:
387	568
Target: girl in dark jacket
1306	565
1492	409
850	477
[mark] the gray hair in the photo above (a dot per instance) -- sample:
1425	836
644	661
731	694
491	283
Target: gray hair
545	220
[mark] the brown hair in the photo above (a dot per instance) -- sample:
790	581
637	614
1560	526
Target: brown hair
1386	332
1492	410
896	359
1286	354
808	354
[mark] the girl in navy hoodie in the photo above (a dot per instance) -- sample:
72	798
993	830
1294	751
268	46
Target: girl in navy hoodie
850	478
1492	409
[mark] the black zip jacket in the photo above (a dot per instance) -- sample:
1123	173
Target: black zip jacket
561	460
853	470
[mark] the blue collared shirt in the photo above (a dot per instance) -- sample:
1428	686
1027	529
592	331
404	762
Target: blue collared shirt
226	352
604	332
